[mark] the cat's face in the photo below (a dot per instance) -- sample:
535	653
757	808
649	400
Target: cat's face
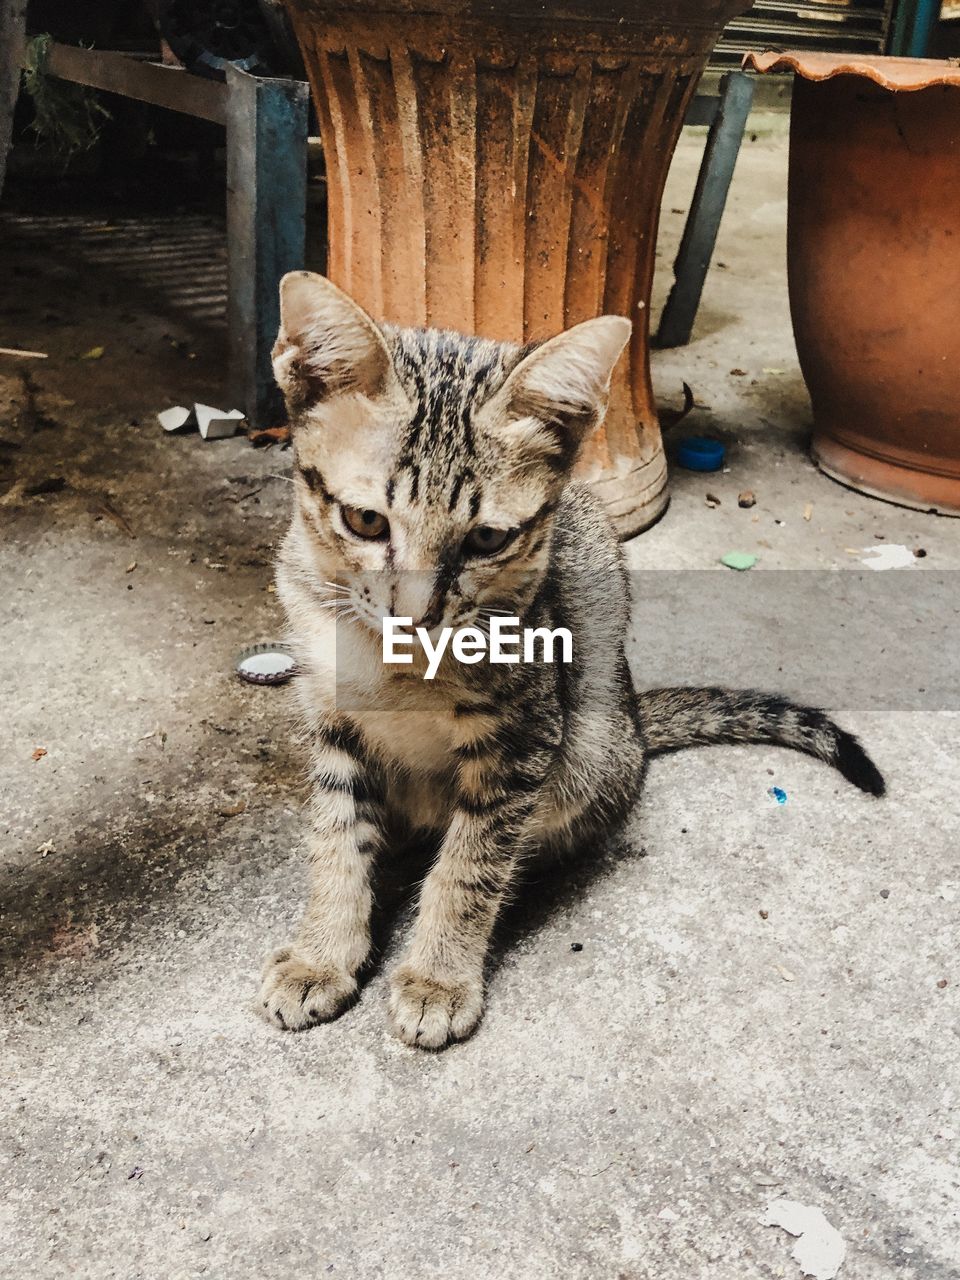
429	465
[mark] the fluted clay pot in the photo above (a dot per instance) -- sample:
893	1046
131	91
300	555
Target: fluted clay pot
874	267
497	168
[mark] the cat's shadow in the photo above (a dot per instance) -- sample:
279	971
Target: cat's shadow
541	892
546	889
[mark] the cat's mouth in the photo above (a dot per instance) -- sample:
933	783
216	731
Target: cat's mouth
374	619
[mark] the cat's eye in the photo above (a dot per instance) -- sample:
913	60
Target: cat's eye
364	523
484	541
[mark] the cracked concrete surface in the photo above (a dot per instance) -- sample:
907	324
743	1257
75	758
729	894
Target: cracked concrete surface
766	997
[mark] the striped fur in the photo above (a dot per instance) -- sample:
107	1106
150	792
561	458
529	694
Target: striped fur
674	718
439	434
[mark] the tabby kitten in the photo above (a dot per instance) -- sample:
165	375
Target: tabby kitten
432	481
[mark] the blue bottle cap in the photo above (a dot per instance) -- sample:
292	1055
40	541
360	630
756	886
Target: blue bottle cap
697	453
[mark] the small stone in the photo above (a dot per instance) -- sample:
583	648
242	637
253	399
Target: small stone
884	893
747	498
764	915
576	946
942	983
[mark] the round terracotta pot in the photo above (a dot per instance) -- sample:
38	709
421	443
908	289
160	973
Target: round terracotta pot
874	269
497	168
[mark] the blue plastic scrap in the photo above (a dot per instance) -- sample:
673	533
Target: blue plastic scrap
778	794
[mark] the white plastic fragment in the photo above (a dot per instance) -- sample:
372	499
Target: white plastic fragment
175	418
892	555
820	1249
216	424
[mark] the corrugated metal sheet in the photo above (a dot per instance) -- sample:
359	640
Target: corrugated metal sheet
855	26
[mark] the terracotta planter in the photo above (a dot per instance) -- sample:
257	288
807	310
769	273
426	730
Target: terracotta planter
874	266
497	168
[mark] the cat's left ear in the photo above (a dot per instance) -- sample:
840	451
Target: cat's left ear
557	394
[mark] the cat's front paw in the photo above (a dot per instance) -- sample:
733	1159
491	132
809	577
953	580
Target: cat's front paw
429	1012
297	994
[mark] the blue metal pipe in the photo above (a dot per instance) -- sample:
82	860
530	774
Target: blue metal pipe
913	25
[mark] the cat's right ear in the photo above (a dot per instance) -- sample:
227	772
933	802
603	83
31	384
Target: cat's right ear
327	345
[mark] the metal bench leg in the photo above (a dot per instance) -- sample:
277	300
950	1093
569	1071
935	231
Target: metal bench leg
266	209
703	221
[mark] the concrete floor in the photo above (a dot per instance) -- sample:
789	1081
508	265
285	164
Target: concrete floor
766	998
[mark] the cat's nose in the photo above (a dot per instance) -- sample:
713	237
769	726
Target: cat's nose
418	597
433	616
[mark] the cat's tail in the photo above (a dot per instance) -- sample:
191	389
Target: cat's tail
687	717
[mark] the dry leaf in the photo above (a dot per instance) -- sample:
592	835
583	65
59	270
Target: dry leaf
268	436
670	417
39	753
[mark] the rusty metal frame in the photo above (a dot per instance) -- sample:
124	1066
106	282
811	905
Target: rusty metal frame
726	114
